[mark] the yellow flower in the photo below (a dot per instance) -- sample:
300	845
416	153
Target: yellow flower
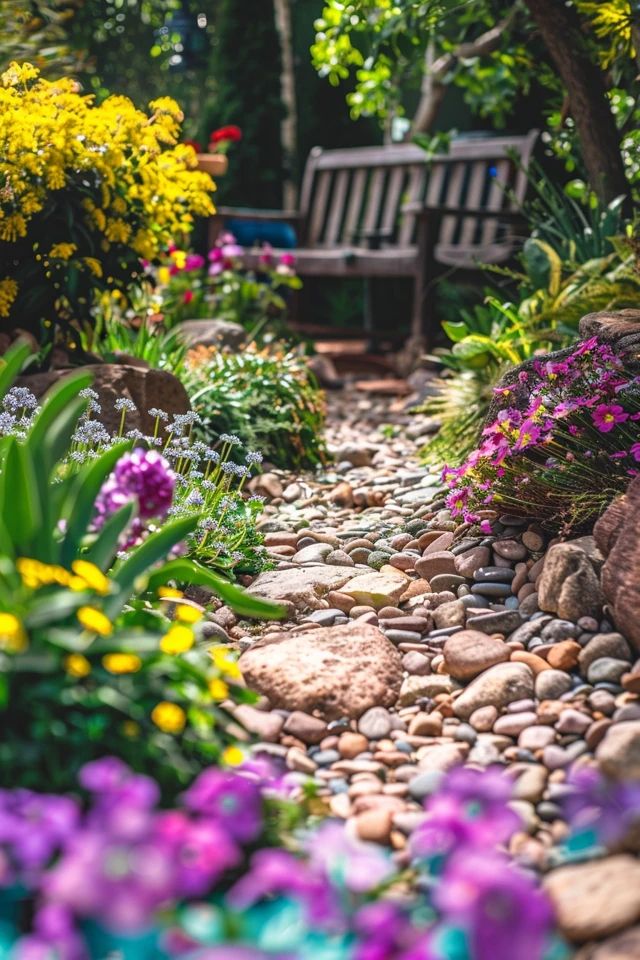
95	621
121	662
170	593
13	639
188	614
232	756
76	665
8	293
163	276
18	73
130	728
178	639
63	251
169	717
92	575
225	664
218	689
94	266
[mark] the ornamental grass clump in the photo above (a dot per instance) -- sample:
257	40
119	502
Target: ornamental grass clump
86	192
563	445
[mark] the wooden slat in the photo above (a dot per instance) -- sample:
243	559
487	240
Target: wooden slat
392	201
374	201
307	181
336	213
416	189
452	199
354	210
477	180
319	206
495	200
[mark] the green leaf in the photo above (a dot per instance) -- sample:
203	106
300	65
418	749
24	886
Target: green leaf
184	570
455	331
104	548
19	503
12	363
56	403
79	508
54	607
144	557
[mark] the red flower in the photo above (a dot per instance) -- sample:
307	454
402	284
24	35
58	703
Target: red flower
231	133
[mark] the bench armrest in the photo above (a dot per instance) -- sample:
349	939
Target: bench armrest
422	210
244	213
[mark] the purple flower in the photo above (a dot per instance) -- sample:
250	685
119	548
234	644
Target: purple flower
202	852
611	809
503	914
232	799
194	261
276	871
607	415
33	827
346	861
634	450
143	476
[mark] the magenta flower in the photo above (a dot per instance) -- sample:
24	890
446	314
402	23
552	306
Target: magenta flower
607	415
634	450
504	915
233	800
143	476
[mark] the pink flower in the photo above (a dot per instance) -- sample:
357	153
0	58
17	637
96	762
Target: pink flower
607	415
187	296
288	260
635	451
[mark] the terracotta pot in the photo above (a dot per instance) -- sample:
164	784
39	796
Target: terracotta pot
216	164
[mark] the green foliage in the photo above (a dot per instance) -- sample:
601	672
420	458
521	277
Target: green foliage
113	336
91	660
268	397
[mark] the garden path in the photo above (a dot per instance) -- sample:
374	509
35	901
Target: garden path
415	642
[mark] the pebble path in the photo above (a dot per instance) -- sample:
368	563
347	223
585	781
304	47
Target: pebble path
437	643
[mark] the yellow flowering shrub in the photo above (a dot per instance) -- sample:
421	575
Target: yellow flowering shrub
87	191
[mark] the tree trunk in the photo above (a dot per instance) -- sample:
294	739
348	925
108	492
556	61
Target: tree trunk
289	125
585	86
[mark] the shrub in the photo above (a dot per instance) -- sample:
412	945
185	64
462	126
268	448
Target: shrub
99	188
563	445
267	396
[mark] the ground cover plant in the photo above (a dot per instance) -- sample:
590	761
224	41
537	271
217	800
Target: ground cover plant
564	442
267	396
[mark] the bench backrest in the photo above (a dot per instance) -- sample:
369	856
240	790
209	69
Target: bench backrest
351	194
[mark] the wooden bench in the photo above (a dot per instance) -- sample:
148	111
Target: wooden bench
389	212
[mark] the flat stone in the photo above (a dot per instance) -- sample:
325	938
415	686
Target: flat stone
334	671
607	670
503	622
376	589
469	652
417	687
496	687
265	726
595	900
551	684
604	645
303	587
624	946
468	563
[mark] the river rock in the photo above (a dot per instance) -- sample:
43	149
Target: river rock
595	900
619	752
334	671
376	589
569	586
469	652
496	687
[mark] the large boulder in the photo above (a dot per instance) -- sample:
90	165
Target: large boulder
145	387
333	672
617	533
